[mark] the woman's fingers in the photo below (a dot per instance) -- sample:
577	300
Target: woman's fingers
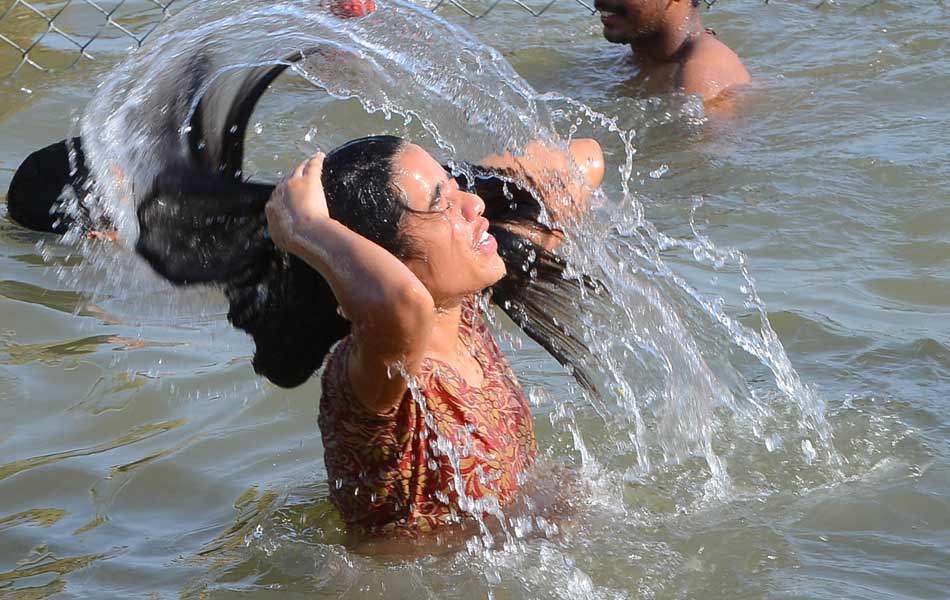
301	195
296	202
280	223
313	166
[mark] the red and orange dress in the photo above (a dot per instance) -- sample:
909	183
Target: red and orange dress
446	452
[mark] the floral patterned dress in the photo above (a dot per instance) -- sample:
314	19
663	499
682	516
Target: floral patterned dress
446	452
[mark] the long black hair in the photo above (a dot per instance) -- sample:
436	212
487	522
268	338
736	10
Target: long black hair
201	223
358	182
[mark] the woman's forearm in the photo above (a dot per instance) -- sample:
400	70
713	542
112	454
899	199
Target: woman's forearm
376	291
379	295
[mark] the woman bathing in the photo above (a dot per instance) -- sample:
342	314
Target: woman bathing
406	251
403	248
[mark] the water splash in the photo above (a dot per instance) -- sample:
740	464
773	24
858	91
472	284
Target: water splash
661	346
453	451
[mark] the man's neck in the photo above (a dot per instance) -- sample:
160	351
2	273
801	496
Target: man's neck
664	45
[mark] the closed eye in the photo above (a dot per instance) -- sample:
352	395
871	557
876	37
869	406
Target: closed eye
437	194
437	203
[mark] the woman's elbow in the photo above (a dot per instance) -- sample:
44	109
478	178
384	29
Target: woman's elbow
572	199
413	307
399	321
589	158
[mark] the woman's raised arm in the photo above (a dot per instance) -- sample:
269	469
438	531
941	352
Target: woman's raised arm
390	309
564	180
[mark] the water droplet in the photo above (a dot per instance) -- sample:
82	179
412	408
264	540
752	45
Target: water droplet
808	450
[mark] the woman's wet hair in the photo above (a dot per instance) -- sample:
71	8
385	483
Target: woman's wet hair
358	182
201	223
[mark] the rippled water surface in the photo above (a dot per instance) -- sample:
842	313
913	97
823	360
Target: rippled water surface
141	457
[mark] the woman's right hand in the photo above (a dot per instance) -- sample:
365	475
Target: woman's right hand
297	203
391	311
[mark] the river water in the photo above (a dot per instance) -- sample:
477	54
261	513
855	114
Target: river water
141	457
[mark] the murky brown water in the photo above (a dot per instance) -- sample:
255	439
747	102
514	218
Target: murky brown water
141	457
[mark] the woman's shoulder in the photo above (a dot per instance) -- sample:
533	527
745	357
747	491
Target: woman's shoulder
335	384
336	359
338	399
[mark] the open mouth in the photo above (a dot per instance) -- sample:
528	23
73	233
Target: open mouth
482	239
609	9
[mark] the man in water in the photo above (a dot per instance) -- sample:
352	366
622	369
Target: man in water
671	48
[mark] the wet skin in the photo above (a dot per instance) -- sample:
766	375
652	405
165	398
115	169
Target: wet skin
405	310
671	47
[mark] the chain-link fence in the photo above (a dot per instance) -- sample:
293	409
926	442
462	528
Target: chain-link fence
54	35
477	9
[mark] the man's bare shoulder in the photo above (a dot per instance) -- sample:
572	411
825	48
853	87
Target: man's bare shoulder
711	69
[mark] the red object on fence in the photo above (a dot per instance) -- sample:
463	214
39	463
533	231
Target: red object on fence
347	9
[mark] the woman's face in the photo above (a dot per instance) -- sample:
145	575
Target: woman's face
453	254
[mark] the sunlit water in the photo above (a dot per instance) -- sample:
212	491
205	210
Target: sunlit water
139	454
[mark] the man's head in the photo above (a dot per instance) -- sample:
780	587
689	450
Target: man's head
627	21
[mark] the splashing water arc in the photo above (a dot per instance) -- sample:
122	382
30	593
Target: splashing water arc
394	61
661	342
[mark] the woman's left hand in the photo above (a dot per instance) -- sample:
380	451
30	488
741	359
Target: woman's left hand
565	180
